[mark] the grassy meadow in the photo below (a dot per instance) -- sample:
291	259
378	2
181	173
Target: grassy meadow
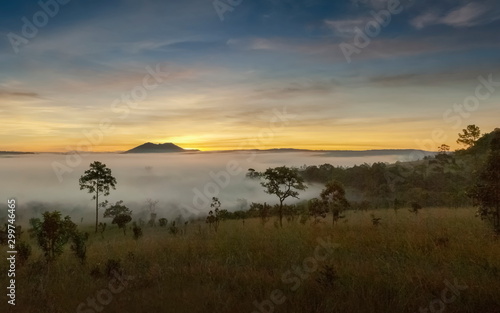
401	265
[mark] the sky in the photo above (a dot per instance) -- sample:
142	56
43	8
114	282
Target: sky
240	74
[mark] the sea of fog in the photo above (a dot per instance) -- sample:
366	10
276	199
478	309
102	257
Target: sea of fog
182	183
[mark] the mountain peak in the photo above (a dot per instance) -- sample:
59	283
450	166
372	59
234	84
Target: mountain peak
150	147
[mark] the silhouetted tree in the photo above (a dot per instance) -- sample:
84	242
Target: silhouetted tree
443	149
121	215
97	180
253	174
486	192
334	198
284	182
213	217
469	136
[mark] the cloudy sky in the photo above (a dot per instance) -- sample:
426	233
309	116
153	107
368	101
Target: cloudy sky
246	74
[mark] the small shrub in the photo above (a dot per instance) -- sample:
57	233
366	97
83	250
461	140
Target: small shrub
415	207
174	230
95	272
375	220
78	245
163	222
137	231
23	252
327	277
101	229
112	266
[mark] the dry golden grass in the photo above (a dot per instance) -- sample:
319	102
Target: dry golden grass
398	266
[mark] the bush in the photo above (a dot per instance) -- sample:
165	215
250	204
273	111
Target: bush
137	231
79	246
163	222
112	266
173	229
23	252
52	233
95	272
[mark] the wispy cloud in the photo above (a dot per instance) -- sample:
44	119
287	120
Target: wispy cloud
468	15
17	94
345	28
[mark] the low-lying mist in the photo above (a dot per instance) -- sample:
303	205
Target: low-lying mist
182	183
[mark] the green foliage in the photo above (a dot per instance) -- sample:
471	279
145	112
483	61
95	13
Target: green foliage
261	210
317	209
486	191
97	180
137	231
333	196
290	211
52	233
121	215
23	252
122	220
79	246
240	215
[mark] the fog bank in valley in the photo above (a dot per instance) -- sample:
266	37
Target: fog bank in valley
182	183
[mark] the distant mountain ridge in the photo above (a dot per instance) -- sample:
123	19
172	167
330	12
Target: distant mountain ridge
14	152
150	147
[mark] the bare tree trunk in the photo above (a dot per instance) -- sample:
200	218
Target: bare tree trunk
281	214
96	210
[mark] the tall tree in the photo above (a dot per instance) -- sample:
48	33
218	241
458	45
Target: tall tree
469	136
334	198
284	182
486	192
97	180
